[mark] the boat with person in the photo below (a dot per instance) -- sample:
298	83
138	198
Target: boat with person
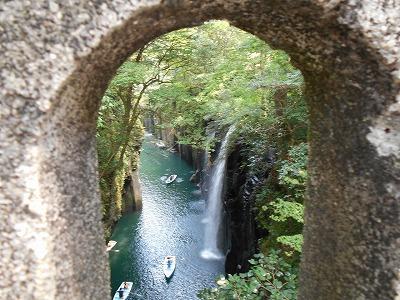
110	245
171	178
169	265
161	145
123	291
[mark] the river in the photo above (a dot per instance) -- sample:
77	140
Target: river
169	224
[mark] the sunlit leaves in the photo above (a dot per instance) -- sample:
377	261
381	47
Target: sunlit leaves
270	277
224	75
292	241
282	210
293	172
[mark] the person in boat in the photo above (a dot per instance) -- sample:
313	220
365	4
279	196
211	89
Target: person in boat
169	261
121	292
125	285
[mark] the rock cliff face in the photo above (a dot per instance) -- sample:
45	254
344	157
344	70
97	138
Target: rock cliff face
194	157
241	187
167	135
241	237
132	193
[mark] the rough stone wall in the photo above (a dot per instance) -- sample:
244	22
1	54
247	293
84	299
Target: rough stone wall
57	57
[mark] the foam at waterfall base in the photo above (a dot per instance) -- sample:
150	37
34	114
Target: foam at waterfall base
210	254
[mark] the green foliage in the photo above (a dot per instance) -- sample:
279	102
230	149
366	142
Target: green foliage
292	241
283	210
280	204
270	277
223	74
293	172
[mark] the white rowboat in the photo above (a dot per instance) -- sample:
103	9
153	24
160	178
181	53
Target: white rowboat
169	265
126	290
171	178
110	245
161	144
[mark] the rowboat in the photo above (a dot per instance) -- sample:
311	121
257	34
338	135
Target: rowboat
169	265
161	145
171	178
110	245
125	289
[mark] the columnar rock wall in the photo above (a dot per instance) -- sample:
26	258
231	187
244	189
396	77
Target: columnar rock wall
239	203
57	58
136	189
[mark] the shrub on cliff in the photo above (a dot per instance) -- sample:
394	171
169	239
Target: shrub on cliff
270	277
280	203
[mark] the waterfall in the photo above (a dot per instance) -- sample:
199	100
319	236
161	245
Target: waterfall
214	203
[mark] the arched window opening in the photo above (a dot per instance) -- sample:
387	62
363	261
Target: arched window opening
225	102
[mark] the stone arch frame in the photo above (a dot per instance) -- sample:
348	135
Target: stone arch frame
59	58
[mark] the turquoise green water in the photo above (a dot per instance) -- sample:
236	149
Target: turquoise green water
169	224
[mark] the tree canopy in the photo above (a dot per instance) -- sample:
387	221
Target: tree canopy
217	74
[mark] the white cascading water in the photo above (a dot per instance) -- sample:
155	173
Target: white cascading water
214	203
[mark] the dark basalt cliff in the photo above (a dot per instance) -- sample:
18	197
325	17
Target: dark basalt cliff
241	188
194	157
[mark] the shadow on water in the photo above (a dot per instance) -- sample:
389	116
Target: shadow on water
169	224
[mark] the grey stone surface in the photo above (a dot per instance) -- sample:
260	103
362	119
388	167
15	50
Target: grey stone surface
136	189
57	57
